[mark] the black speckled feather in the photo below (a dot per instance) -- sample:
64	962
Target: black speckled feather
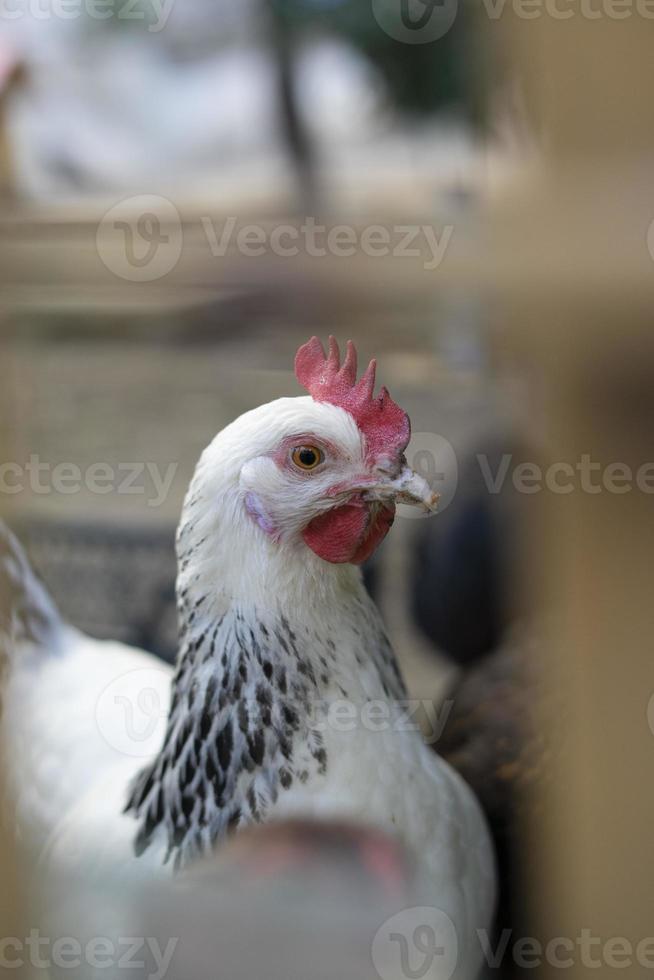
238	734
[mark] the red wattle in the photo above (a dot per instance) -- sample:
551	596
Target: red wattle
348	533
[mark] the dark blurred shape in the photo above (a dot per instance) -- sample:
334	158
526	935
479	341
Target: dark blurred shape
422	78
461	567
457	592
12	74
295	134
494	741
465	600
113	582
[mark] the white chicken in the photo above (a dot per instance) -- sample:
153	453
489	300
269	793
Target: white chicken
286	700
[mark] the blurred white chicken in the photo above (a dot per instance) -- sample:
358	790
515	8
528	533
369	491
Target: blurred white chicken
286	700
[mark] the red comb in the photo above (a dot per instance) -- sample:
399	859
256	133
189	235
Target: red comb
386	427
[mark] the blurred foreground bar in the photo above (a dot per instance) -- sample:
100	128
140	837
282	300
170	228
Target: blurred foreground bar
10	898
580	309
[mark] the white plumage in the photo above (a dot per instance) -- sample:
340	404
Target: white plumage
286	699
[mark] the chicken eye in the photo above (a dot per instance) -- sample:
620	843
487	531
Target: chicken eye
307	457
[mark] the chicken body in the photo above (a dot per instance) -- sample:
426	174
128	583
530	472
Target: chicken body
286	700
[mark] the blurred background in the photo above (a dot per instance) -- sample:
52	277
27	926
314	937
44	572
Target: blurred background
481	182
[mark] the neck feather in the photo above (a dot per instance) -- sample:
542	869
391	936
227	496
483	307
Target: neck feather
268	634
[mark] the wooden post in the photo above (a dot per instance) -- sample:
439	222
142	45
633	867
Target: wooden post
579	306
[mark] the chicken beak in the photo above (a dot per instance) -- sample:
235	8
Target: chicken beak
407	488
